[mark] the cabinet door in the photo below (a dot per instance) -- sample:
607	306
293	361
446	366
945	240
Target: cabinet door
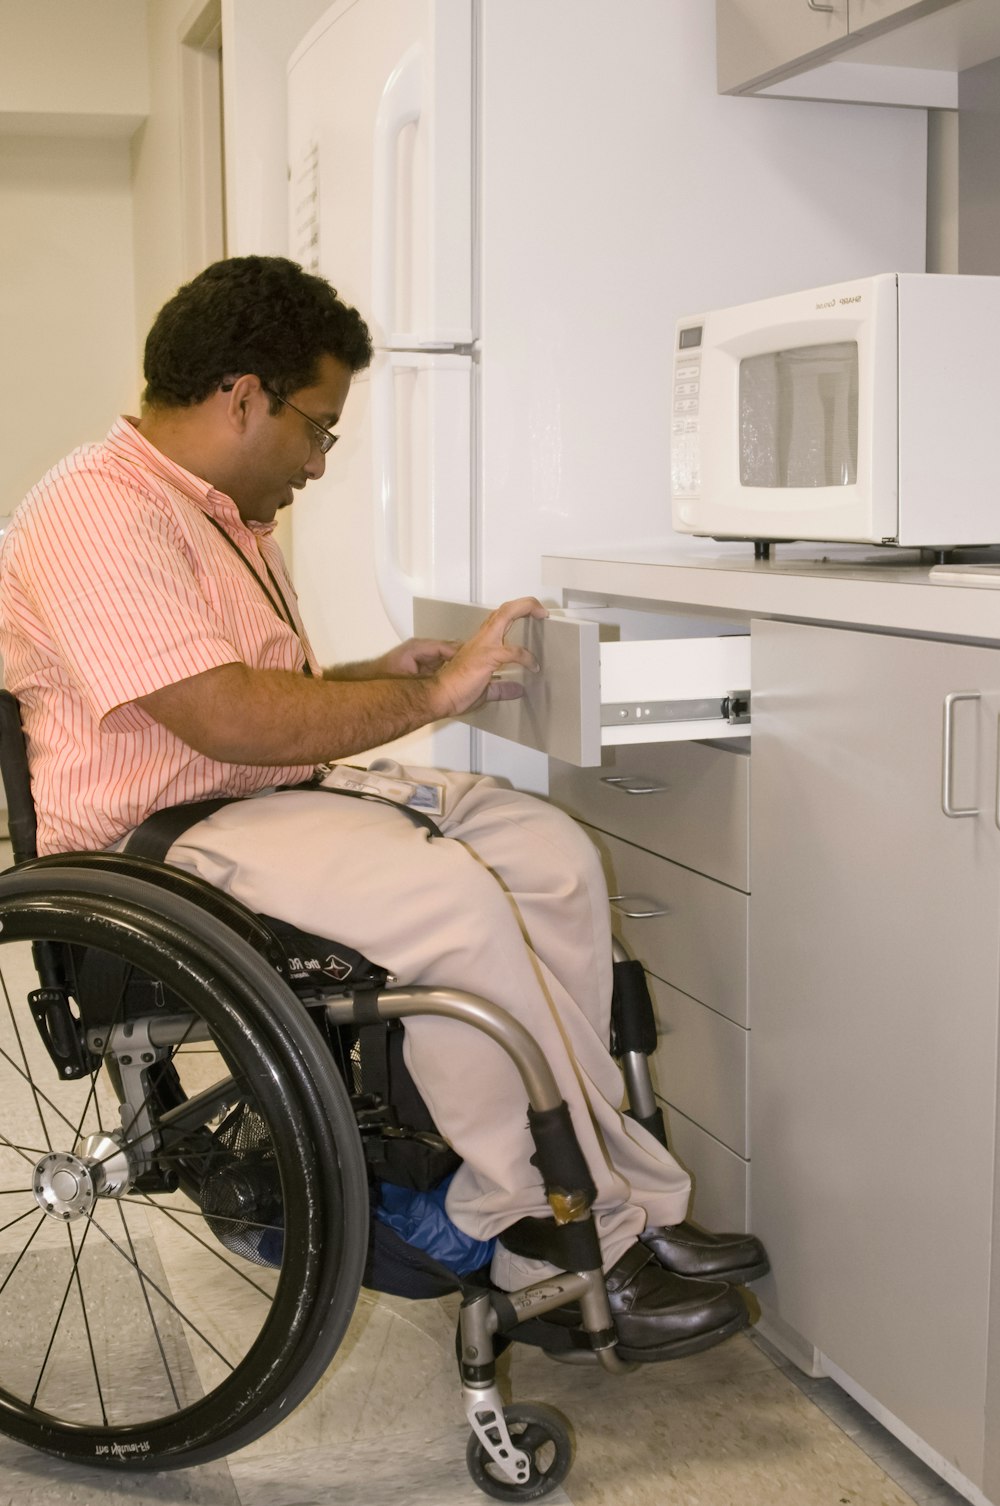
757	37
862	13
873	1003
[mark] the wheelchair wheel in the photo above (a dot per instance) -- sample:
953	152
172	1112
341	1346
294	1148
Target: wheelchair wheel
183	1227
540	1433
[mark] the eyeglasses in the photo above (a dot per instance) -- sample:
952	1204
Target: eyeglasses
325	440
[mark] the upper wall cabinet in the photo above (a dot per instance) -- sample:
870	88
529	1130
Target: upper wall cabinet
897	52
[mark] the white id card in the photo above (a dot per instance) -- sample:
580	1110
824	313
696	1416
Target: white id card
422	797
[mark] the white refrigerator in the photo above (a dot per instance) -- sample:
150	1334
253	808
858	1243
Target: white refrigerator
521	197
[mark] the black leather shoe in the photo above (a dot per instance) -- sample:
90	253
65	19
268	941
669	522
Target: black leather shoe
660	1316
695	1253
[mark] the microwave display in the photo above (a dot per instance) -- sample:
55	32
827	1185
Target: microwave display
799	417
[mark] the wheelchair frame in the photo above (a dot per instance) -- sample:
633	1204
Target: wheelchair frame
173	936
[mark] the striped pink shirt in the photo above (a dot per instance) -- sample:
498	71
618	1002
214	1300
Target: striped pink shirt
113	584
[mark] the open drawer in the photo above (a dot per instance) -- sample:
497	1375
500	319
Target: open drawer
591	694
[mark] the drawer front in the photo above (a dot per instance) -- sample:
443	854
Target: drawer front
721	1192
590	694
700	1065
687	929
685	801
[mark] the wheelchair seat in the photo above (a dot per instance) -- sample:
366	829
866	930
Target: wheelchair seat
188	1143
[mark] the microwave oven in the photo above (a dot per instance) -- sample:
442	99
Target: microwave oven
865	412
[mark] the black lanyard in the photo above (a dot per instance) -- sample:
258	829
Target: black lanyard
277	600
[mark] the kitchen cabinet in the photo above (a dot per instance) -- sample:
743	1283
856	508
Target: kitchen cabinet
671	824
757	38
874	989
906	52
867	1125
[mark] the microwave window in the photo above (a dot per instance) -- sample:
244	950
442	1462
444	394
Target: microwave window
799	416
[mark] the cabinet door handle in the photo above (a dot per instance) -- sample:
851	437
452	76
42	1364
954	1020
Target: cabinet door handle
620	901
624	782
947	751
996	803
815	5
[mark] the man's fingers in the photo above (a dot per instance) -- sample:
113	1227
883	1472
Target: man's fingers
504	690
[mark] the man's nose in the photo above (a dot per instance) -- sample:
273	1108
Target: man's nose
315	465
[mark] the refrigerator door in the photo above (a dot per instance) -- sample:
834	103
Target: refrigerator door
407	423
380	143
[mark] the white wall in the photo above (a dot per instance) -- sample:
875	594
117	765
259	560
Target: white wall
171	242
85	61
74	83
67	323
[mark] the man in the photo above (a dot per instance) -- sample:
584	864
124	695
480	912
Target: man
151	633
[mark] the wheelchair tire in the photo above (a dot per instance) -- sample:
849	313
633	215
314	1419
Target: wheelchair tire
537	1431
181	1317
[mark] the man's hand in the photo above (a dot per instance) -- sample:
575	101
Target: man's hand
468	679
416	657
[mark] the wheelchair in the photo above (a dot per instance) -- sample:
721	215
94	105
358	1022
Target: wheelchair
186	1150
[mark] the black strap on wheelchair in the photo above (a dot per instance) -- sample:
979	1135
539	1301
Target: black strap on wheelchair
154	837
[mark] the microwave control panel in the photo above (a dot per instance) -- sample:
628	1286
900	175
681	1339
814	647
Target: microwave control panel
685	451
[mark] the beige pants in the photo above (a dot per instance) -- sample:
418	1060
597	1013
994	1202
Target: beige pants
512	906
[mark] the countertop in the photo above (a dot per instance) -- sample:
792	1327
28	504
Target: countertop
886	590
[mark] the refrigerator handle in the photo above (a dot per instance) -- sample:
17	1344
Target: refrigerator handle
401	105
438	492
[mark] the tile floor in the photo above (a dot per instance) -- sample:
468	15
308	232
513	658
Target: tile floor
734	1426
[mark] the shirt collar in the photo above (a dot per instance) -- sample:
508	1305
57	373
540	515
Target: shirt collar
125	440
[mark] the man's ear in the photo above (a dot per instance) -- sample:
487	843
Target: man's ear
241	398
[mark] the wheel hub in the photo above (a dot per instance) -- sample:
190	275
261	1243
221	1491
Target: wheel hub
67	1184
64	1186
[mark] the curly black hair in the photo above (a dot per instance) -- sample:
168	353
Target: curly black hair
259	314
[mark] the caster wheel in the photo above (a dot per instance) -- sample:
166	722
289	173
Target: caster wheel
541	1434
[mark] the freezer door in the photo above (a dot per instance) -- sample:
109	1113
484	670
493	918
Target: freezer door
357	558
359	554
380	144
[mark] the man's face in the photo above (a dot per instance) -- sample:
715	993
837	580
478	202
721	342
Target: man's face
282	450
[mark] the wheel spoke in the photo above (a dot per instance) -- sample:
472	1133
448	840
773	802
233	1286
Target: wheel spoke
25	1071
172	1214
188	1322
62	1308
154	1326
86	1320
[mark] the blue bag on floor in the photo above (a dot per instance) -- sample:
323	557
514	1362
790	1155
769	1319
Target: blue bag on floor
419	1218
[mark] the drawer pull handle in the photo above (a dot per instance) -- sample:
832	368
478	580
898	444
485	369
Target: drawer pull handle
953	812
620	901
630	785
